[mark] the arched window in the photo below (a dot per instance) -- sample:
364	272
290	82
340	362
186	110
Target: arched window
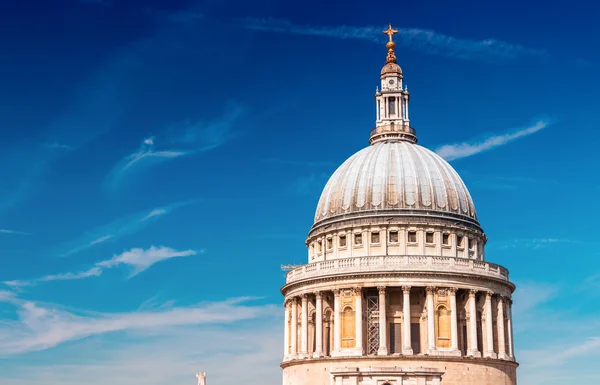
348	327
443	327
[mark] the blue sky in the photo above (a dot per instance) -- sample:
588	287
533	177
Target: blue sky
161	160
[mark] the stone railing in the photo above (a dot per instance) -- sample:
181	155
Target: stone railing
399	263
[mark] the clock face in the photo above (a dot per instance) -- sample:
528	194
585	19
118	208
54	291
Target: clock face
391	81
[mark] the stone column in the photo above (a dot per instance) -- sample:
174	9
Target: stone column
406	343
473	349
511	352
489	327
500	324
286	331
304	336
453	319
383	351
337	320
319	325
358	316
294	348
430	321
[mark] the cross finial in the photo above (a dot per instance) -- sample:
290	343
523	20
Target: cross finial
390	31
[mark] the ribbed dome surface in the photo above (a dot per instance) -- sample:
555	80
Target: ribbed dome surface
394	176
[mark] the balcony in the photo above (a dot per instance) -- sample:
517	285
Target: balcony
397	263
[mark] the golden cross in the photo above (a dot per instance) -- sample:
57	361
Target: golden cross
390	31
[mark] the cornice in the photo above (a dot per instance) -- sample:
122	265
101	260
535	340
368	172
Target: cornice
400	359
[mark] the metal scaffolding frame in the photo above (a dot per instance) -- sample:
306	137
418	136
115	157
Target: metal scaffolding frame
372	324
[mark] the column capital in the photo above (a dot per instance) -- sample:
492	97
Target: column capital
304	297
406	289
488	295
294	300
336	292
452	290
318	294
381	289
430	290
472	292
357	290
501	298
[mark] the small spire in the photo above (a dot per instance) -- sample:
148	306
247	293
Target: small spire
391	55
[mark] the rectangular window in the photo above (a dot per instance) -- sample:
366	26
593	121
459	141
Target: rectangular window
393	237
392	105
459	241
342	241
358	239
375	237
446	239
329	244
428	237
412	237
320	244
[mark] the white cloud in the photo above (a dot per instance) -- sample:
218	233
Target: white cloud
189	137
465	149
6	231
141	259
41	327
93	272
58	146
136	258
531	243
558	355
173	355
118	228
422	39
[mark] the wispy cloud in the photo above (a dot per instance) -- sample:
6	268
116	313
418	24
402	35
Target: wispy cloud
118	228
559	355
465	149
58	146
531	243
141	259
6	231
137	259
185	138
174	353
43	326
421	39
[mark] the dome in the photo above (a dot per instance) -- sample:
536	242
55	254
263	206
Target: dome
391	68
395	177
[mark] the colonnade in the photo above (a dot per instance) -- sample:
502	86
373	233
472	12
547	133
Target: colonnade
478	320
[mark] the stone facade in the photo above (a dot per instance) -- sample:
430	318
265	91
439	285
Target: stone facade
397	289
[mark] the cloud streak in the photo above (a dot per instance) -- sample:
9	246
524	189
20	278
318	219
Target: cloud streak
180	139
118	228
425	40
13	232
137	259
41	326
466	149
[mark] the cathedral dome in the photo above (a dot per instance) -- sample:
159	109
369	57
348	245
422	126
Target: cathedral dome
395	177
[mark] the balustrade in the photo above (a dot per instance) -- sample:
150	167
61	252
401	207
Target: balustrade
396	263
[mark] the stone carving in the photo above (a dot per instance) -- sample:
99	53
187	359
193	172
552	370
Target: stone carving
381	289
406	289
201	376
452	290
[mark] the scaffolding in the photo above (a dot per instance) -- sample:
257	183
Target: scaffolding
372	324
